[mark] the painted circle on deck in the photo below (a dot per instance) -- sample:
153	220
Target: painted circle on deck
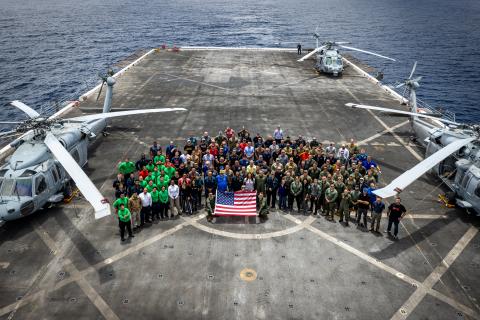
248	275
299	225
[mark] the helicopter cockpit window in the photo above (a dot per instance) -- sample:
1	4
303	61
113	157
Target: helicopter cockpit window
16	188
40	184
2	172
328	61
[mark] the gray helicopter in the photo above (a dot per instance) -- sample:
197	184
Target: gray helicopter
329	59
452	152
48	153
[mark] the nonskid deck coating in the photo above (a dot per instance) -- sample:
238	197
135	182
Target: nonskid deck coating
63	264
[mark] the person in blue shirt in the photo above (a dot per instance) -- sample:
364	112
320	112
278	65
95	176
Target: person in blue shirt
378	206
368	163
222	183
372	196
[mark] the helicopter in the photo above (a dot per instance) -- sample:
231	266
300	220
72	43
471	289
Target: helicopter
452	151
50	152
329	59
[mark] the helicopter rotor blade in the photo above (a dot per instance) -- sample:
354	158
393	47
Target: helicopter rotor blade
100	91
83	182
7	133
122	114
420	115
10	122
413	70
310	54
367	52
28	110
409	176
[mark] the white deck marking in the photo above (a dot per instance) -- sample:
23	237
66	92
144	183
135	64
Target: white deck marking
407	308
4	265
195	81
427	289
89	291
410	149
254	236
375	136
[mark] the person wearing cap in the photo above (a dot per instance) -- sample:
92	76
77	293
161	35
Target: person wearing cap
377	208
363	204
124	217
314	143
331	195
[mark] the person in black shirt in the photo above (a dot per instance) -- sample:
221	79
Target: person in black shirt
396	211
363	203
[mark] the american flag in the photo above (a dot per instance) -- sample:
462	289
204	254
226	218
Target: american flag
239	203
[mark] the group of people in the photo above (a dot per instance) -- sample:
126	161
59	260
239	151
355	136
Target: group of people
319	179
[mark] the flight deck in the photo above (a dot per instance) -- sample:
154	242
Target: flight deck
61	263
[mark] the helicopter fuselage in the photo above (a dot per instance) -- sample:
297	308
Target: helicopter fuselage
32	178
329	61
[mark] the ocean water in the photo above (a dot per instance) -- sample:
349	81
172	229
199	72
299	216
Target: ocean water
52	50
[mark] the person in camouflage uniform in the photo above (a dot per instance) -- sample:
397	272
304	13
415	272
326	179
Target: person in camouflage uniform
344	206
331	196
210	206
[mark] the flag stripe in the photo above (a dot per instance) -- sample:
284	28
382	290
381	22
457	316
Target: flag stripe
240	203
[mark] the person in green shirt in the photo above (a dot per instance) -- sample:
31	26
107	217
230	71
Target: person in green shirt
159	158
124	217
150	166
210	207
122	200
126	167
331	196
170	171
155	203
143	183
163	196
150	186
161	182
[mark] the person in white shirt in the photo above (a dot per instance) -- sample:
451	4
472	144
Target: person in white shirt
174	195
278	135
343	154
146	210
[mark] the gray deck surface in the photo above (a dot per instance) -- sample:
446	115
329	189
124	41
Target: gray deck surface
62	264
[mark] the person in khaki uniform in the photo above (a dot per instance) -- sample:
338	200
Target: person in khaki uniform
344	207
331	196
262	208
135	205
210	206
